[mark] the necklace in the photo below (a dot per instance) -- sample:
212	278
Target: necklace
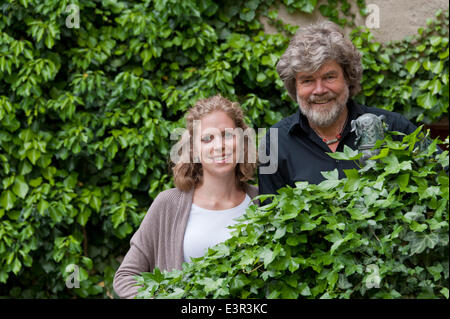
338	136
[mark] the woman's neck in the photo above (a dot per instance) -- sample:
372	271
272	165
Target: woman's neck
218	193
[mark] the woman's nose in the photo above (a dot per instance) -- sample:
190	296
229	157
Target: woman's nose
219	143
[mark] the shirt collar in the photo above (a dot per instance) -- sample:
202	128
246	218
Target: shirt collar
300	121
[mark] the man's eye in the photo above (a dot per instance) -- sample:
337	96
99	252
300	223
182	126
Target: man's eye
307	83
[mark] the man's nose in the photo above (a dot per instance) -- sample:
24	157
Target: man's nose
319	88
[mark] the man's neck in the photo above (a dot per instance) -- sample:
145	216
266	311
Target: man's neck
330	132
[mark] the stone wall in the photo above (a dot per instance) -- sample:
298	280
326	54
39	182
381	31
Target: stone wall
397	18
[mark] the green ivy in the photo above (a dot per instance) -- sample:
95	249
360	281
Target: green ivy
381	232
86	115
409	76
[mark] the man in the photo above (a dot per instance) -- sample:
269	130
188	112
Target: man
321	70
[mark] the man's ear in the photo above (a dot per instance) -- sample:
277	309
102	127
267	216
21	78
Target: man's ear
382	117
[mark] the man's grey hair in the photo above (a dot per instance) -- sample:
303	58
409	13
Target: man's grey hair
314	45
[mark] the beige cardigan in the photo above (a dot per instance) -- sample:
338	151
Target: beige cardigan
159	240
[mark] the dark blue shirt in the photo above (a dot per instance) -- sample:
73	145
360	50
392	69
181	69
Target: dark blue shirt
302	154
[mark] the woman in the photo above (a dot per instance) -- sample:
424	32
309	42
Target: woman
211	191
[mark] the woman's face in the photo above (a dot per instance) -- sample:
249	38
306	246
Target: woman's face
215	144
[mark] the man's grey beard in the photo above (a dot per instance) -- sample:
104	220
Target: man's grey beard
323	117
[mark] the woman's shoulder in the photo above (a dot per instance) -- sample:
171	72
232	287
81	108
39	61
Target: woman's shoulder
168	203
170	196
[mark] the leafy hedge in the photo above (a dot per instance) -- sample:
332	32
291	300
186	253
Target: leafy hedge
86	115
381	232
410	76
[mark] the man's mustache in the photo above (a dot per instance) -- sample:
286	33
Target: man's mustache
321	98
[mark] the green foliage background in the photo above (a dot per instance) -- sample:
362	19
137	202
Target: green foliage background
86	114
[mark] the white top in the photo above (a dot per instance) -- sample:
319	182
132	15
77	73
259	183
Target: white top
206	228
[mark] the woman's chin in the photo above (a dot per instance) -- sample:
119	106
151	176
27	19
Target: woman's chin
220	168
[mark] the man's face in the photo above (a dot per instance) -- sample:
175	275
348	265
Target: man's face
322	95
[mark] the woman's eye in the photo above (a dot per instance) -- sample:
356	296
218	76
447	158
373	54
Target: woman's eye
229	135
207	138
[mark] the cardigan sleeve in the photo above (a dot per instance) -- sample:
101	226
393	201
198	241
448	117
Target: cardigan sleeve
140	257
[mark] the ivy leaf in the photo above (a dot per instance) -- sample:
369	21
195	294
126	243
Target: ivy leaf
33	155
16	266
261	77
402	180
331	175
435	86
176	294
8	182
280	232
20	187
248	15
7	199
412	66
267	256
444	291
393	166
339	242
211	284
118	216
95	203
83	216
436	271
427	64
123	230
422	241
353	179
308	6
304	289
437	67
415	226
348	154
295	240
328	184
435	40
236	41
42	206
55	214
385	58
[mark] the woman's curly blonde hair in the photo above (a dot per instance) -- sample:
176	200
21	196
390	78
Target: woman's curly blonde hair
189	174
311	47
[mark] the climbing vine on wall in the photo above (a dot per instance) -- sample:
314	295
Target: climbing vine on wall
86	115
